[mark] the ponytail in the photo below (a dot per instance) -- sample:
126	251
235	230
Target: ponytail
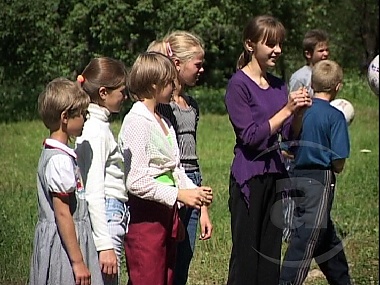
243	59
158	46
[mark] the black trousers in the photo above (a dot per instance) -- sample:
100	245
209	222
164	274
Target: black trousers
256	232
314	234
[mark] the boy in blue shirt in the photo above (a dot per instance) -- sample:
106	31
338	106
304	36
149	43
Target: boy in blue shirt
315	47
321	152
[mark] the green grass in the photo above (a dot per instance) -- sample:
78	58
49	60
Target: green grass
355	211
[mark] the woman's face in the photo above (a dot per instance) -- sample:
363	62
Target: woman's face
190	71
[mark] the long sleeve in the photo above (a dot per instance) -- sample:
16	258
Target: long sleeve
249	132
140	146
92	157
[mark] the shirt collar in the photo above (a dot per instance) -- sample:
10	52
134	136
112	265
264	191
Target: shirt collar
140	109
99	112
58	145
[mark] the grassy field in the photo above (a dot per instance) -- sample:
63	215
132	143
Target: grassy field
355	211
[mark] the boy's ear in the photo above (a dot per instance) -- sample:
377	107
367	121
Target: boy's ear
64	117
102	92
308	54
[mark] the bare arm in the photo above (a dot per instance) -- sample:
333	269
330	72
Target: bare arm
205	224
66	228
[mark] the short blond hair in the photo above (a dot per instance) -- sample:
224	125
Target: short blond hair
326	75
181	45
149	74
59	95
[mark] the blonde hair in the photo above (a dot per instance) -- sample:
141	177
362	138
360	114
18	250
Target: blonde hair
149	74
326	75
181	45
103	72
61	94
262	29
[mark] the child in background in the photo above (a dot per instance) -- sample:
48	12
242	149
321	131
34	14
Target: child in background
64	250
186	51
315	48
260	109
101	165
323	150
154	178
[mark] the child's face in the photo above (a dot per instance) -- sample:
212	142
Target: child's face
75	124
321	52
166	94
267	53
114	99
191	70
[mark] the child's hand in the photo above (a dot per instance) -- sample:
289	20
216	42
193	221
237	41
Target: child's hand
195	198
205	224
299	99
208	191
287	154
108	262
81	273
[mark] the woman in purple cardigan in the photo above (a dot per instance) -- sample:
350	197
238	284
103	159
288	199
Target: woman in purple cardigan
260	111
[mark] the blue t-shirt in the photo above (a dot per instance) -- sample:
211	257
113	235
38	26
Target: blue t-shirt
323	138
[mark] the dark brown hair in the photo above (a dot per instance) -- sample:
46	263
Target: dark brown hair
103	72
312	38
262	28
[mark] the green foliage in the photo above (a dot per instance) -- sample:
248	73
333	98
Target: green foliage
41	40
210	101
17	104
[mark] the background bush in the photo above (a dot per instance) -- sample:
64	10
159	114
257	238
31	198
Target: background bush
44	39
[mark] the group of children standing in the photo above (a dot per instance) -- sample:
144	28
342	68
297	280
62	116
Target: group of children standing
142	192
